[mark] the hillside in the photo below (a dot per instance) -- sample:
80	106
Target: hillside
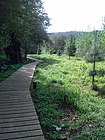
65	33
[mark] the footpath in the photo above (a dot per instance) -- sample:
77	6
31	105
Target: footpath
18	118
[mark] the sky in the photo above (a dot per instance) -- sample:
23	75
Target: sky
75	15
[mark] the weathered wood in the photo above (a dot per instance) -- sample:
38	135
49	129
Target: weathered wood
20	135
14	102
33	138
16	111
18	118
19	128
14	99
21	123
26	114
2	102
15	106
26	118
14	93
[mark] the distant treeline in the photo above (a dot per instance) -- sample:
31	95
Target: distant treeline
80	44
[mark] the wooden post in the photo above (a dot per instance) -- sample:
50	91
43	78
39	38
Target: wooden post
34	84
94	71
94	60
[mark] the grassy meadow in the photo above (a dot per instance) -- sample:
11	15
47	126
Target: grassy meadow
63	97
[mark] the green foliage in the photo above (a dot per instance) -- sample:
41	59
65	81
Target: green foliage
70	46
26	21
84	46
39	50
63	82
58	43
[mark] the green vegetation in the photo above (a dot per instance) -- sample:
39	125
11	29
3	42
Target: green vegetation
70	44
85	43
63	96
23	25
81	44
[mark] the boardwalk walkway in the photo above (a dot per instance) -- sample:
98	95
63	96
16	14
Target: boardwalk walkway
18	118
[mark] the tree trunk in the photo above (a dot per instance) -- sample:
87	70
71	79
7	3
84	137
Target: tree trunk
13	52
94	71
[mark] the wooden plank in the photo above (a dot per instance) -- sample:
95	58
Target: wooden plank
19	128
15	81
18	118
15	103
17	108
17	115
10	92
25	118
32	138
11	88
22	97
17	92
21	135
9	97
21	123
17	112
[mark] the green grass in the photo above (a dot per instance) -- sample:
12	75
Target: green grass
64	96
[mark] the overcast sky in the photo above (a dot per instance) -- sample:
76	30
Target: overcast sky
71	15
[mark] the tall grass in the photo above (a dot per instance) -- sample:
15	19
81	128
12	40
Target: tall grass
64	82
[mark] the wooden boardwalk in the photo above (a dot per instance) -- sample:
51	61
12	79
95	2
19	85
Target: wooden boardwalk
18	118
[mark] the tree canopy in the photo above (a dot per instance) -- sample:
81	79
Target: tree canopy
22	23
85	43
70	46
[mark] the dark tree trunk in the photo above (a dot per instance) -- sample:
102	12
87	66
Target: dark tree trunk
94	71
13	52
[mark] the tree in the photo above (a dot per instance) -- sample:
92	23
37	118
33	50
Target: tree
70	46
58	43
84	45
94	53
23	22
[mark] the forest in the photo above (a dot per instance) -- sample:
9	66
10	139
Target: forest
69	95
23	23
